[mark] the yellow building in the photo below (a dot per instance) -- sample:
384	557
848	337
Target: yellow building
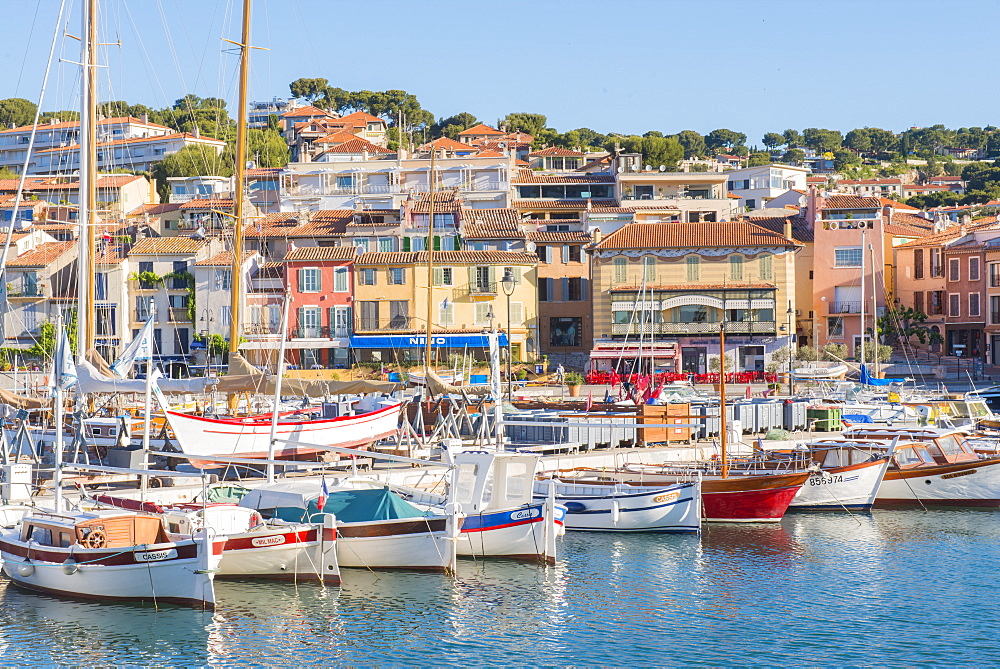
468	297
661	291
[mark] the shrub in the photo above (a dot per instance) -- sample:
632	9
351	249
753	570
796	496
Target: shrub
573	379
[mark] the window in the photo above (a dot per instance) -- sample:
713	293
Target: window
765	267
386	244
345	182
224	279
368	276
566	331
936	302
446	313
483	313
973	304
692	313
30	318
693	268
937	268
100	285
571	253
399	314
545	290
835	327
516	313
141	308
649	270
145	267
847	256
954	271
362	245
397	276
369	315
736	268
340	321
621	269
309	280
918	263
310	320
340	280
973	269
227	316
444	276
574	289
954	305
995	309
918	301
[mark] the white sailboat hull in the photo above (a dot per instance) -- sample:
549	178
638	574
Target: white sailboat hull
179	572
292	554
517	533
251	438
853	487
423	544
621	508
974	483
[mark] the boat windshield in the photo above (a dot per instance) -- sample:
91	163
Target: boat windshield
949	445
912	456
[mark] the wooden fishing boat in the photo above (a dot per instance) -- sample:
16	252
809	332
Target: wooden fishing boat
111	555
376	529
674	509
251	437
254	548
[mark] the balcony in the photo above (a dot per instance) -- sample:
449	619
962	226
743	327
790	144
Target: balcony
667	197
261	329
486	186
311	332
483	288
25	291
845	308
179	315
707	328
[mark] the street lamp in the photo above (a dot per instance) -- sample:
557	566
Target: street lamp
791	338
508	288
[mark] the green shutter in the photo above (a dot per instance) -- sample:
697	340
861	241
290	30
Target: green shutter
406	243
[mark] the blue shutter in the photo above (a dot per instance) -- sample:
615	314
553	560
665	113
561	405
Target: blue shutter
565	290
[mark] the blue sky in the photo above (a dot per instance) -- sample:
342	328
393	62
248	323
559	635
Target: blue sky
627	66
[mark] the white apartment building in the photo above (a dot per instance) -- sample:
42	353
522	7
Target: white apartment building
757	186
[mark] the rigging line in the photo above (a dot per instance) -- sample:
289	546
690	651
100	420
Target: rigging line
27	49
31	143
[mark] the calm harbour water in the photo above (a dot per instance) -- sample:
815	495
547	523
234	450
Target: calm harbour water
899	587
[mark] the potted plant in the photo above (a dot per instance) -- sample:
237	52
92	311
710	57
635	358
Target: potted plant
573	381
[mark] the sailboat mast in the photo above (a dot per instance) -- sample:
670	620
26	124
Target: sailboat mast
874	346
88	182
239	179
862	354
430	271
723	432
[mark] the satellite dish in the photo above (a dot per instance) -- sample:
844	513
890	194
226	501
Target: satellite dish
649	168
663	168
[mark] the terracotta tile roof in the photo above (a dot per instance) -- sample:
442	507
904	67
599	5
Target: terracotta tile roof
521	163
357	145
154	209
907	225
897	205
447	258
851	202
948	234
42	255
271	270
611	210
480	129
445	201
446	144
361	117
559	237
581	205
61	184
166	245
308	110
323	223
322	253
687	235
110	254
946	177
264	172
914	187
115	120
556	151
870	182
338	137
499	145
225	259
492	224
490	154
800	228
531	177
816	180
209	203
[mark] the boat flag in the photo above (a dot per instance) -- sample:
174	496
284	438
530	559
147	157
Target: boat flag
324	492
760	444
106	237
63	369
749	392
141	348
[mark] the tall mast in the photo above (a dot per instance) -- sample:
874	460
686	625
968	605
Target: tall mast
430	272
722	397
861	356
88	182
239	179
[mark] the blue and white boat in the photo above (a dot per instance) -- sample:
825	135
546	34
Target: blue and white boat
673	509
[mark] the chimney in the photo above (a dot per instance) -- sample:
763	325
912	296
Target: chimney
966	220
144	118
196	132
788	227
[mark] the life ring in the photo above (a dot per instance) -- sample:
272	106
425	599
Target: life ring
95	539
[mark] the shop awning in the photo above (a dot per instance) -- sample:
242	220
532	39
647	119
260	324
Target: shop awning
418	341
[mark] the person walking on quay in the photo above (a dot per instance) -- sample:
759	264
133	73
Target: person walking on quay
560	374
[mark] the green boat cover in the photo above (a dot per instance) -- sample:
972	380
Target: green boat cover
226	494
355	506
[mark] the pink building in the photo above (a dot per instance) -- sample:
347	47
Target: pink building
321	285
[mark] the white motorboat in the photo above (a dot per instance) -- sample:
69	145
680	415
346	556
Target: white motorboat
819	372
674	509
112	555
376	528
251	437
493	490
254	548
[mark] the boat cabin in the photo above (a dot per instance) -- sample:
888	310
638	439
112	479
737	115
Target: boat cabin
99	529
829	454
